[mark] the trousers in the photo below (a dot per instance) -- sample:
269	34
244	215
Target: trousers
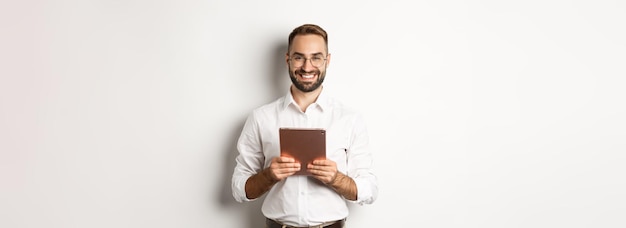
269	223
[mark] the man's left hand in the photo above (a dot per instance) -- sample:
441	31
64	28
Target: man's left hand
324	170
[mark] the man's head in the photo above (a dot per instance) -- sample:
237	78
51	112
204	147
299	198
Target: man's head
307	57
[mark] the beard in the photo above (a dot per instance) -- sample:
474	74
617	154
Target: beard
307	86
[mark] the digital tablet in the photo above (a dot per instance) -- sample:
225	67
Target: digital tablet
304	145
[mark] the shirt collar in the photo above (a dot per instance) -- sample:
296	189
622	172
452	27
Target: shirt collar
322	101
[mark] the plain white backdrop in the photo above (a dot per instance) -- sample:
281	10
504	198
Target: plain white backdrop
481	113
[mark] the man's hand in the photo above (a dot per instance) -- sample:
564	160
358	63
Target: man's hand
324	170
283	167
280	168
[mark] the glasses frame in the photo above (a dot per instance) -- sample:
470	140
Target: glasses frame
310	60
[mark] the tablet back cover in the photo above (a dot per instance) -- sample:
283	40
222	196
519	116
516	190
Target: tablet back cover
304	145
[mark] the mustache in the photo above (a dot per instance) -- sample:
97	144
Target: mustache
301	71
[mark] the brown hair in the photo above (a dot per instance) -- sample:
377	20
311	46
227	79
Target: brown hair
308	29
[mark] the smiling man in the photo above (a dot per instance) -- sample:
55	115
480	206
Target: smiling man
320	198
307	74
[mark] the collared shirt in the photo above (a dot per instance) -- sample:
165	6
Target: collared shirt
303	200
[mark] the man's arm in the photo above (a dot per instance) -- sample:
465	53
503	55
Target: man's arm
279	169
326	171
345	186
259	183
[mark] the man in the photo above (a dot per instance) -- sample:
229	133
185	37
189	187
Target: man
319	199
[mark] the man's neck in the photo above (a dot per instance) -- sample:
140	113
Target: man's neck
304	99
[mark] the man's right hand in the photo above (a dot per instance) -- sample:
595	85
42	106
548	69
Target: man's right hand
283	167
280	168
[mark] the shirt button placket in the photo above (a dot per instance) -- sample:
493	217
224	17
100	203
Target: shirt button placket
305	120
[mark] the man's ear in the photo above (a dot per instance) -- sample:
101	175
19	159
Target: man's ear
327	59
287	58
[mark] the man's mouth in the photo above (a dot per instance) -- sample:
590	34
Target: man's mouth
307	75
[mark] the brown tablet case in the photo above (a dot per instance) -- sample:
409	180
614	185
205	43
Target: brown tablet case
303	144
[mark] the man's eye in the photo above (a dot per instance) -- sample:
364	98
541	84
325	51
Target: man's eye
317	58
298	58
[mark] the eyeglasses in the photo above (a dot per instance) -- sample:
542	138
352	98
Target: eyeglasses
298	60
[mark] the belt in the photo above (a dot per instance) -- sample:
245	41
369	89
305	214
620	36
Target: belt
336	224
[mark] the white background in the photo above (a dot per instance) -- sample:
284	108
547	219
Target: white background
481	113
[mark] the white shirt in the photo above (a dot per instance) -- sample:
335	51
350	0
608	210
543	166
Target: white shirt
303	200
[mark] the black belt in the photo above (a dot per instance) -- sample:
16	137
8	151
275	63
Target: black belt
273	224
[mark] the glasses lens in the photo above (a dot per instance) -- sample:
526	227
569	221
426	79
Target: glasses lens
298	61
317	61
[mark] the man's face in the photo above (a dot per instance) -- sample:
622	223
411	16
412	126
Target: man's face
307	61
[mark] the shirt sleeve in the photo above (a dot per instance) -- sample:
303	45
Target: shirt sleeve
250	159
360	163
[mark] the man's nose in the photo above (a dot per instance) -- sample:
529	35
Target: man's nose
307	66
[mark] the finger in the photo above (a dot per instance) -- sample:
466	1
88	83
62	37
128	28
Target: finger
323	176
324	163
322	171
289	165
316	174
290	168
320	167
314	167
285	159
284	173
284	168
320	162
